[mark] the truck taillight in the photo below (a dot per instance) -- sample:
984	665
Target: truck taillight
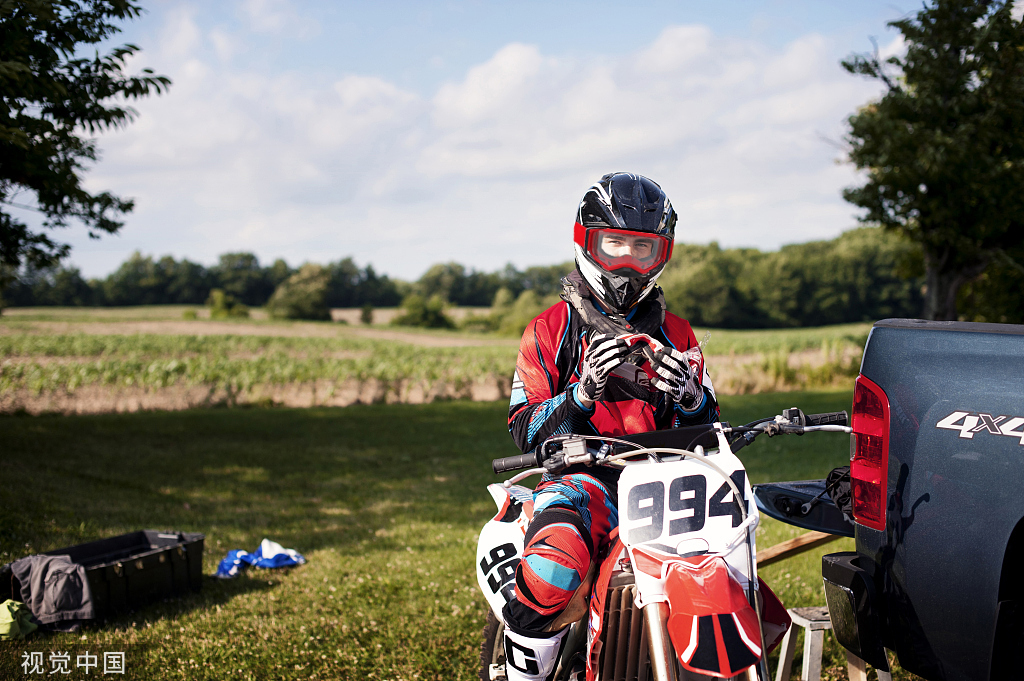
869	464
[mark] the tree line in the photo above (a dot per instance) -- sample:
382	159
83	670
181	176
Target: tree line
145	280
864	274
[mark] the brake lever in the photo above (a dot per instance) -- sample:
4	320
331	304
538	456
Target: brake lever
773	428
743	440
573	451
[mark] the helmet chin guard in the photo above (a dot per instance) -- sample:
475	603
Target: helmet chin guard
618	294
625	227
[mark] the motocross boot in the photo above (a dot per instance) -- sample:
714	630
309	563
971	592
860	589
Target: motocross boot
532	659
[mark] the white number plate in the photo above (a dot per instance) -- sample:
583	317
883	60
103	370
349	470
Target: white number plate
675	505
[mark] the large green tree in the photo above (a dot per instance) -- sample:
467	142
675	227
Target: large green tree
303	295
944	146
55	97
455	285
241	276
353	287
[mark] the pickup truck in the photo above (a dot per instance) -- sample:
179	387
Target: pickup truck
937	482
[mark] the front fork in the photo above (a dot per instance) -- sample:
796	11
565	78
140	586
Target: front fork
663	663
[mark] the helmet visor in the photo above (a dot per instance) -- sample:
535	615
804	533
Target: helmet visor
617	249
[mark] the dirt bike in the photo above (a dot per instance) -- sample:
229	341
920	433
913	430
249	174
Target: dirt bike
676	594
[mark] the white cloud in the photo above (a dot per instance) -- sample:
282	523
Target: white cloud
224	44
677	48
491	167
180	36
275	16
898	47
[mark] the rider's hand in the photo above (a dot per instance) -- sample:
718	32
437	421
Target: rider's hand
678	375
604	353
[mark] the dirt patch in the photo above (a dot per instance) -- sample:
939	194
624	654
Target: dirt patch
241	328
104	399
45	360
429	340
384	315
49	360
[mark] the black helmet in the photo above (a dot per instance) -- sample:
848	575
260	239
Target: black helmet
624	233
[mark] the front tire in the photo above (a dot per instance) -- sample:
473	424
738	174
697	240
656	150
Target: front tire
492	650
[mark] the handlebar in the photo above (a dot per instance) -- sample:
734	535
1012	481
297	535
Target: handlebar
550	454
834	418
798	418
514	463
686	437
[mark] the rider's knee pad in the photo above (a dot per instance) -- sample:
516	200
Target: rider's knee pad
530	658
555	561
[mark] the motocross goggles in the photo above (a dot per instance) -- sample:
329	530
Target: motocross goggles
617	249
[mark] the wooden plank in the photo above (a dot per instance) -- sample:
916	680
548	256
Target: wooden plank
792	547
814	646
858	668
786	655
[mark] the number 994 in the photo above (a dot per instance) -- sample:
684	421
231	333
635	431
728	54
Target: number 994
687	495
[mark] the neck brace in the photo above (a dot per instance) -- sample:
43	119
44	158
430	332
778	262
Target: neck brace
648	318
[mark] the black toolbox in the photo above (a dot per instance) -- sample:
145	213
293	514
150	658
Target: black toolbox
130	570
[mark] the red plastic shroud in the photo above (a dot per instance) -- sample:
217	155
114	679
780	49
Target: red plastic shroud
597	600
711	624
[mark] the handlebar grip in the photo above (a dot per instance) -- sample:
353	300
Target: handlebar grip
835	418
512	463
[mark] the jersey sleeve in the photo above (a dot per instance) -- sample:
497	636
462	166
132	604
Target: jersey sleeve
543	401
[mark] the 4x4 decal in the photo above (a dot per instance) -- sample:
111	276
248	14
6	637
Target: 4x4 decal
969	423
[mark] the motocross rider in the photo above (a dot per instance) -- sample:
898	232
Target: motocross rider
575	374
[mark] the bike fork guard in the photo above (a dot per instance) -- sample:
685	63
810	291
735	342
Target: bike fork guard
712	625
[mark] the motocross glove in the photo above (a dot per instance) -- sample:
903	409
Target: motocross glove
678	375
604	353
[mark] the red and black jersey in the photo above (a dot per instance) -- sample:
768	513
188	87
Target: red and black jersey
548	368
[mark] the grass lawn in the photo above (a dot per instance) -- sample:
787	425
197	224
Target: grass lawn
383	500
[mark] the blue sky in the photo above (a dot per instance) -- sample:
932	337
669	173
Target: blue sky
419	45
408	133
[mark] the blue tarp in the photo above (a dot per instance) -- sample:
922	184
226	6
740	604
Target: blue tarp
270	554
